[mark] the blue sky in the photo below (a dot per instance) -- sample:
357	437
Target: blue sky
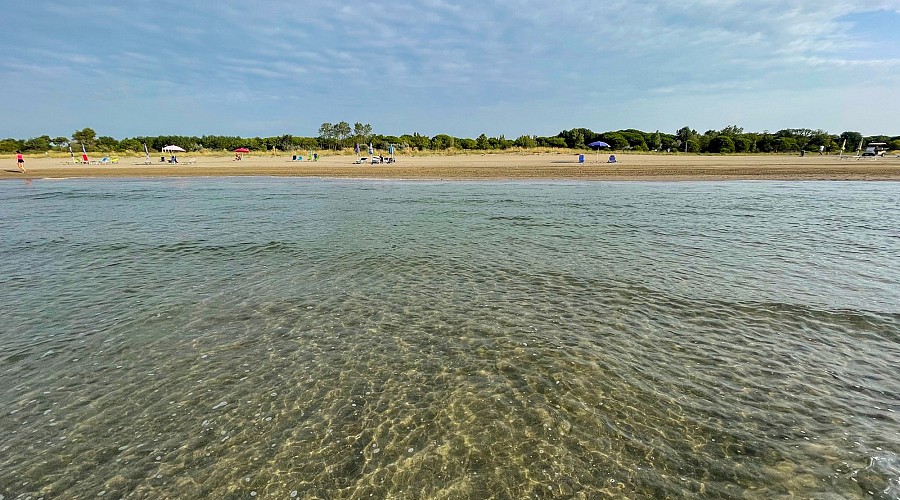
269	67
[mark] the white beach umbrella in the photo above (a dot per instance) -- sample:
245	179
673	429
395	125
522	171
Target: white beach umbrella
173	149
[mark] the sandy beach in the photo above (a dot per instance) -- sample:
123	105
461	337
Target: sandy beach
491	166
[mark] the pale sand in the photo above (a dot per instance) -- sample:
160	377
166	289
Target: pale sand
492	166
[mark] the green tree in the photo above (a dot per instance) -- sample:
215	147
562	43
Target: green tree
133	145
387	140
362	133
326	131
551	142
765	143
615	140
686	135
60	142
10	145
342	132
500	142
635	138
526	141
577	137
482	142
731	131
579	140
442	141
669	142
418	141
37	144
327	136
85	137
285	142
107	144
784	144
802	136
743	144
853	139
820	138
721	144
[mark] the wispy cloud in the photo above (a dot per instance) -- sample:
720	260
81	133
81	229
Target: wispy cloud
429	58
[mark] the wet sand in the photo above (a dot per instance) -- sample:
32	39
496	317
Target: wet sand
545	166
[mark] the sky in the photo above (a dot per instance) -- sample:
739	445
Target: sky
519	67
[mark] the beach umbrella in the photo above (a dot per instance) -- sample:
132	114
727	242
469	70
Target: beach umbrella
356	149
371	150
173	149
241	150
598	145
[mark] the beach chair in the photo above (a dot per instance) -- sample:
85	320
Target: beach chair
612	159
84	158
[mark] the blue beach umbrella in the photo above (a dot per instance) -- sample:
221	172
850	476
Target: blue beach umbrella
598	145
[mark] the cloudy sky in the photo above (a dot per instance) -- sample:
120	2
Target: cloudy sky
271	67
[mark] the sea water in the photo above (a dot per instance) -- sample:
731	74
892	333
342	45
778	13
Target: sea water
308	338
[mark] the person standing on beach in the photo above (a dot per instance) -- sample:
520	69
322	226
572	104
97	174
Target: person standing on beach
20	161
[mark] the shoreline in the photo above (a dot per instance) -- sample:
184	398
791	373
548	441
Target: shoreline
647	167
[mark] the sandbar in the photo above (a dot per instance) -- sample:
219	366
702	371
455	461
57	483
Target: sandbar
501	166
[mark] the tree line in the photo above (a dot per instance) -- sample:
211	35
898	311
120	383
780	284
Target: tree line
341	135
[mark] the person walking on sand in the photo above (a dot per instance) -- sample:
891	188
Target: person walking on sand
20	161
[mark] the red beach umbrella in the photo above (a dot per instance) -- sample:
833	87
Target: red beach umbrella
241	150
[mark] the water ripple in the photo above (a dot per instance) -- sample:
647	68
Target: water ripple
334	339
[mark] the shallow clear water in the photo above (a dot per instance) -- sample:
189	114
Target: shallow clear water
355	339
